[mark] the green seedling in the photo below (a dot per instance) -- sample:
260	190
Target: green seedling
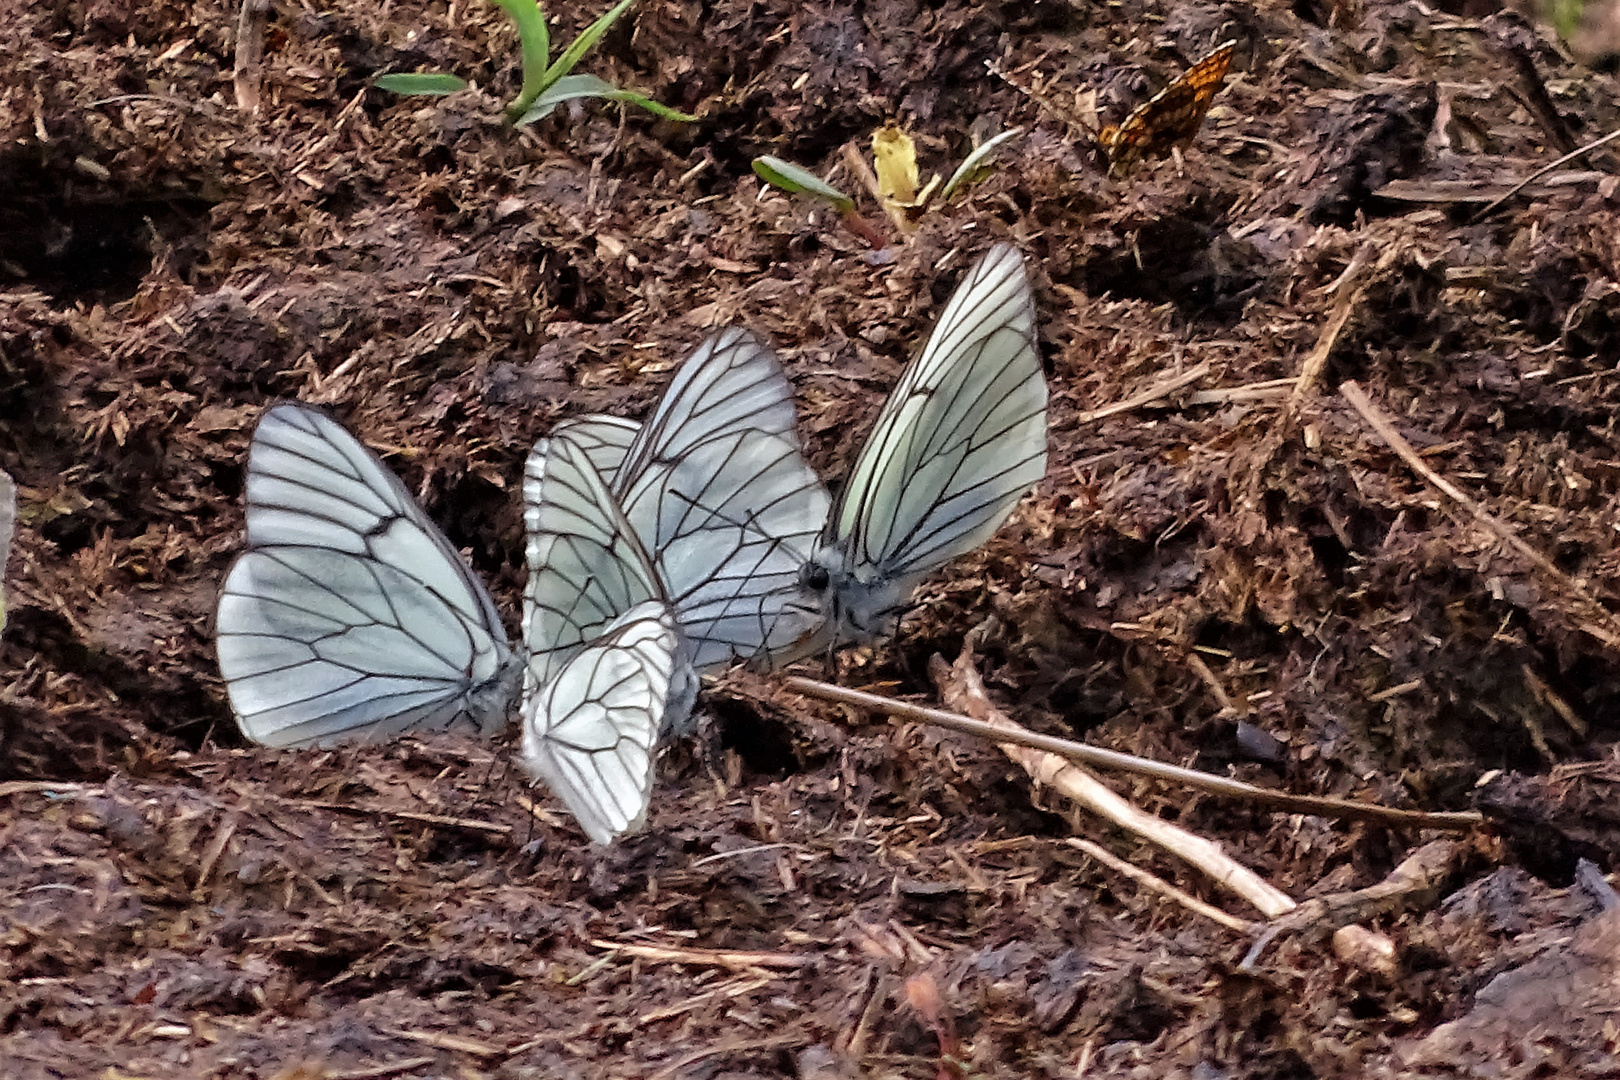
547	83
977	164
797	180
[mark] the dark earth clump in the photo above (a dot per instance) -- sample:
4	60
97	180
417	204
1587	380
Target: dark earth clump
1239	575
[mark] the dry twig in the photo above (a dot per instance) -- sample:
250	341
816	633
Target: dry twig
726	958
1544	170
1098	757
249	54
1417	880
1146	397
1609	634
960	686
1159	885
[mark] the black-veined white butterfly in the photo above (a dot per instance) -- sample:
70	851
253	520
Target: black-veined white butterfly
716	487
608	667
350	616
960	440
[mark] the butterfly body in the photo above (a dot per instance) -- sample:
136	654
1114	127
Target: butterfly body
350	616
1169	118
960	440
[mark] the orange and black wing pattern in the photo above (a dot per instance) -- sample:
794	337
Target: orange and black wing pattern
1171	117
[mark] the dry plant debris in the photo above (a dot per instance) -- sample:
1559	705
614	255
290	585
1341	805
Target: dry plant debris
207	207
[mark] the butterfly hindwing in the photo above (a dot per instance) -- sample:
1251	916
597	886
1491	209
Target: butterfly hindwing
608	666
350	616
590	733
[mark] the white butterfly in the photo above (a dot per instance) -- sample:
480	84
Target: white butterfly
960	440
350	616
716	487
608	666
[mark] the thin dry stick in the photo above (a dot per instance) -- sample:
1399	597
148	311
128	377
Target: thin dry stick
22	787
1159	885
440	1041
1258	391
1544	170
404	815
1419	878
380	1072
959	685
1353	393
730	1046
726	958
1311	371
249	53
1455	821
1146	397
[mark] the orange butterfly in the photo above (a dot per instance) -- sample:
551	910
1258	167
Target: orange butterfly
1169	118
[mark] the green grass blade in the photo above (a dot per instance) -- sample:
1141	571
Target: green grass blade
658	109
418	83
798	180
535	41
583	44
967	172
571	87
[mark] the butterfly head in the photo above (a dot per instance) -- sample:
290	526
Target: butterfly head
836	605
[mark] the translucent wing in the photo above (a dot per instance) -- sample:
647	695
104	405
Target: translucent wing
961	438
586	566
717	488
732	383
608	667
590	732
350	616
606	441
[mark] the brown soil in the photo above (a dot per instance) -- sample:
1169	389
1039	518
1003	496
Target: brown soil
1194	575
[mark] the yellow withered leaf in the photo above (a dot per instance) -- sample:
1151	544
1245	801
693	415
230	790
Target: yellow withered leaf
895	156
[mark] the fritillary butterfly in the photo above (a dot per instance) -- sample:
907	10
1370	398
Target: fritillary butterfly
1171	117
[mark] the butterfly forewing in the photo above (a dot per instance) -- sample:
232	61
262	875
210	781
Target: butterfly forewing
742	513
1172	116
962	436
608	666
586	565
606	441
717	488
732	383
350	616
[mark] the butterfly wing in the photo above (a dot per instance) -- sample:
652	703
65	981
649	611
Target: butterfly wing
606	441
717	488
1171	117
350	616
732	383
586	565
590	732
960	440
608	667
